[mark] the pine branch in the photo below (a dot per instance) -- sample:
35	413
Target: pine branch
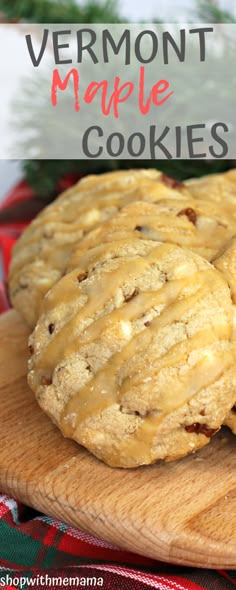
60	11
212	13
43	175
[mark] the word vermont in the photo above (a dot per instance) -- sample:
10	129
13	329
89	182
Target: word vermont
132	46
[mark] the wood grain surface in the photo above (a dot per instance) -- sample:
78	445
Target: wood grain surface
182	512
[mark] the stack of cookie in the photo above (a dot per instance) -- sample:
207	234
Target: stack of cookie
128	282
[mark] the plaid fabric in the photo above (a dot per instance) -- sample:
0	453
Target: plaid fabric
36	550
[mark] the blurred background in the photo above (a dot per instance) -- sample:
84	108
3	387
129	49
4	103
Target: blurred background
46	178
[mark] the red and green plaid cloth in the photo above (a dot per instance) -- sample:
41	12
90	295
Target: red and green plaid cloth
36	550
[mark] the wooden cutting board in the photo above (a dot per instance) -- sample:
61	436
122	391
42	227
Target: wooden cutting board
182	512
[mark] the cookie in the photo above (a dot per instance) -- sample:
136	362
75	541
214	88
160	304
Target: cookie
226	264
204	229
43	251
132	355
217	188
199	226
